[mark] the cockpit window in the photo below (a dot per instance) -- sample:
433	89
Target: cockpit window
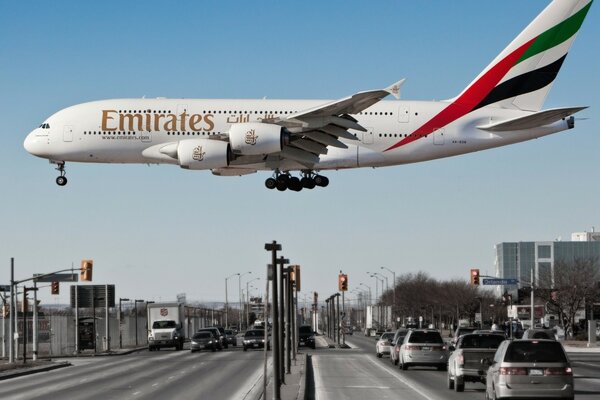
45	126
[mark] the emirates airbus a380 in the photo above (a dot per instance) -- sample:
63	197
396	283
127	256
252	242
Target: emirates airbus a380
503	105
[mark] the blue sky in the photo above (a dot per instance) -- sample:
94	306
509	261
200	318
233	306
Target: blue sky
158	231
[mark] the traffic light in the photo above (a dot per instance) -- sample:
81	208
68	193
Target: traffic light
474	276
55	288
297	277
343	283
86	270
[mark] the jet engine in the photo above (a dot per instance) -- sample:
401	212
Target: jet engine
255	138
202	153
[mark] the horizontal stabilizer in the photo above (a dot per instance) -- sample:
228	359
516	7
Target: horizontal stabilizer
531	121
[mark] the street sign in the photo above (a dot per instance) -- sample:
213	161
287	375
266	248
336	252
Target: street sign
499	281
92	296
57	278
4	288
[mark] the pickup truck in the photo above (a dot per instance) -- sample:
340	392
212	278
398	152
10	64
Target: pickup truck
465	363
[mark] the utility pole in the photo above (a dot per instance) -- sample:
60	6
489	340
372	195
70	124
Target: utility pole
12	325
394	316
273	247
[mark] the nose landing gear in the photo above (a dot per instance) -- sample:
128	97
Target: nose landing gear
62	179
284	181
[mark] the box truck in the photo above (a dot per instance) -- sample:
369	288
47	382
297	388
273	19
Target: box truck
165	325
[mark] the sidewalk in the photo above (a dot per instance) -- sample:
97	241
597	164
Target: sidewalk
295	382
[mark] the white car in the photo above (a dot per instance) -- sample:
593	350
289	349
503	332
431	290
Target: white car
384	344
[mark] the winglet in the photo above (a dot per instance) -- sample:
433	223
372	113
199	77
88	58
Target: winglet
394	90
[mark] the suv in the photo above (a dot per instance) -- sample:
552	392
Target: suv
539	333
423	347
306	336
217	335
530	369
255	338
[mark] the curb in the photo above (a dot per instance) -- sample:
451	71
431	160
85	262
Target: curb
34	370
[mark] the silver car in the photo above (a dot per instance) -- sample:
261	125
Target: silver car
384	344
423	347
536	369
396	343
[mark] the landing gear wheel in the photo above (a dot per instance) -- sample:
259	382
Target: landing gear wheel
294	184
321	180
271	183
61	180
281	185
308	183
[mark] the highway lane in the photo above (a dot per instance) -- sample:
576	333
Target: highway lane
359	374
228	374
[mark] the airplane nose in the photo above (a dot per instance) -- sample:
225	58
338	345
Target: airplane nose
36	145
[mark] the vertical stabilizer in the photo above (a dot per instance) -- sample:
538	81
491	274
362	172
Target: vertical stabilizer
522	74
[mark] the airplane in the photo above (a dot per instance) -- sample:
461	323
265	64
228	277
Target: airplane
501	106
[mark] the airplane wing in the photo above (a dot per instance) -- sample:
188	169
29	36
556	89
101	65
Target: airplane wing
313	130
534	120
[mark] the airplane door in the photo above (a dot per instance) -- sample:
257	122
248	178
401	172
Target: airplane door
68	133
438	136
368	136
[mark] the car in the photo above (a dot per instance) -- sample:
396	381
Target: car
494	331
396	343
423	347
348	330
526	368
223	336
461	330
306	336
539	333
216	333
464	363
230	337
383	345
203	340
254	339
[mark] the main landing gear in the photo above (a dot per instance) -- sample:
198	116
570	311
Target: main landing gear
62	179
285	181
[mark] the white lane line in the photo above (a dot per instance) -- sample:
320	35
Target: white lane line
136	393
317	377
367	387
171	377
402	379
155	384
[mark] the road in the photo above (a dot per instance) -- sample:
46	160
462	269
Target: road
165	374
358	374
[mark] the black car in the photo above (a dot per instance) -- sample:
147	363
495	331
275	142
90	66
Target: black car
203	340
230	337
223	336
255	338
306	336
217	335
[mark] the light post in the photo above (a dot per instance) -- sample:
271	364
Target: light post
136	319
368	287
394	302
227	301
383	306
121	299
240	296
248	301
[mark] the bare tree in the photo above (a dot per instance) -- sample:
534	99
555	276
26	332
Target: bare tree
573	284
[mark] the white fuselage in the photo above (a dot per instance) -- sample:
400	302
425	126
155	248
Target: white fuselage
132	131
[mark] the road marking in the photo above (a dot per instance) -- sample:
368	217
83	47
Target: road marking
136	393
402	379
171	377
155	384
368	387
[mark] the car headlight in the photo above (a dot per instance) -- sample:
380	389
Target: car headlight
194	342
210	342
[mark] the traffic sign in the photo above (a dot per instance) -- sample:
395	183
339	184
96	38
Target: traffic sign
56	278
4	288
499	281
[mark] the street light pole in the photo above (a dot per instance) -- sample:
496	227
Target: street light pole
248	302
394	315
240	297
227	301
136	320
121	322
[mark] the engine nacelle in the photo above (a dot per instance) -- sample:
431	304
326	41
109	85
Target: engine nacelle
203	154
255	138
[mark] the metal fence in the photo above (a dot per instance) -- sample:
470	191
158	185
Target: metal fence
56	331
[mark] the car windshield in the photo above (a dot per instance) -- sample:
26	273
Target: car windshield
202	335
228	332
163	324
481	341
462	331
387	336
535	351
425	337
305	329
542	335
255	333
